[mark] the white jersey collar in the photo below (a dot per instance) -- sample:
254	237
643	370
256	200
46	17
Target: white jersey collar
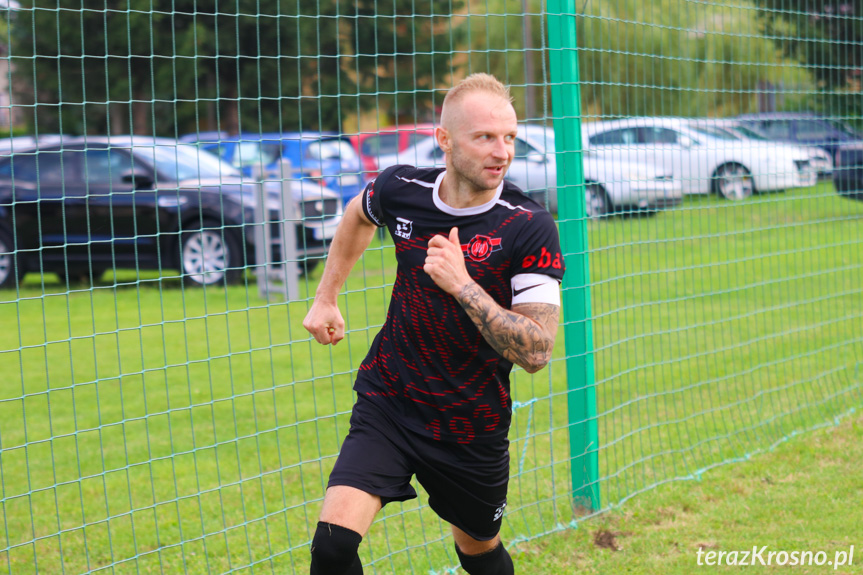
447	209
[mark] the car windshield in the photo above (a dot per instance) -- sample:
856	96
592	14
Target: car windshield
823	129
717	133
184	162
538	136
332	149
544	140
748	133
846	129
248	153
381	144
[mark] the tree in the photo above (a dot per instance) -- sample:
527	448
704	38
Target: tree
168	67
638	58
84	68
403	52
827	36
508	41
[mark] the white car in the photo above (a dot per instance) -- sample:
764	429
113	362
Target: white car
609	185
704	160
820	160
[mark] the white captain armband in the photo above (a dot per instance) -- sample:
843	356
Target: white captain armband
535	288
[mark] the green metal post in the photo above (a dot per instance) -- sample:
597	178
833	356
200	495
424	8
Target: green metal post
566	107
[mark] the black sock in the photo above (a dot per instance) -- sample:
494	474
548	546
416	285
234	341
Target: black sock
494	562
334	551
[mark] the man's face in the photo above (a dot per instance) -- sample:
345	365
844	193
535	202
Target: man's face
480	140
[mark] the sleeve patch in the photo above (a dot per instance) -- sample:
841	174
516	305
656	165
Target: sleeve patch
371	205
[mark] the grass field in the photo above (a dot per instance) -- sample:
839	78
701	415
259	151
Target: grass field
804	495
146	428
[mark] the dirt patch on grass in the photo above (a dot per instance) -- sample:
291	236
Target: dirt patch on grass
606	539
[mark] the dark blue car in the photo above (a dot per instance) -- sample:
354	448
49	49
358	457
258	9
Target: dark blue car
324	157
848	172
802	128
83	205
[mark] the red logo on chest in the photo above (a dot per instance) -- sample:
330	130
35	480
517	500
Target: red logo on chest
481	247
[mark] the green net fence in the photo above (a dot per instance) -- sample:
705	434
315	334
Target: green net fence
703	161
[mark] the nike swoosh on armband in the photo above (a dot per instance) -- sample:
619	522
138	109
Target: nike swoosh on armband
517	292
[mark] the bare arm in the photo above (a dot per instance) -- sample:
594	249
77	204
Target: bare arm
524	335
354	234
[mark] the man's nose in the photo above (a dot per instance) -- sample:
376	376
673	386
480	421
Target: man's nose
501	148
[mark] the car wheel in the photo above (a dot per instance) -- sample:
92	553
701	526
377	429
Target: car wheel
596	203
209	256
733	182
10	273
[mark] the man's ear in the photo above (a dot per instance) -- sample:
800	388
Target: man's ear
442	136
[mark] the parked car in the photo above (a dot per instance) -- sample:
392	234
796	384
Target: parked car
820	161
385	142
327	158
15	143
704	162
93	204
621	186
610	186
848	171
529	170
802	128
204	136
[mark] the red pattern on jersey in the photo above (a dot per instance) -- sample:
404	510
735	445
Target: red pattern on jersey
429	362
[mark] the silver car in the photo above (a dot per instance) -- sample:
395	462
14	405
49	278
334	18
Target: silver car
820	160
610	185
703	160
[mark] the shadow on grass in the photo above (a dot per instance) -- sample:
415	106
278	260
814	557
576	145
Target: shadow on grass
125	280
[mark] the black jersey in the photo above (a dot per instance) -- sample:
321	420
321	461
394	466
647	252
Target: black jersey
429	364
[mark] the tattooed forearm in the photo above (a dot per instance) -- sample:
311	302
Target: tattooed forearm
525	336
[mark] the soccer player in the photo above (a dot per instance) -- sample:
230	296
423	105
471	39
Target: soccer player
477	290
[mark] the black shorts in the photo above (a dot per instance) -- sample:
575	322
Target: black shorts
466	484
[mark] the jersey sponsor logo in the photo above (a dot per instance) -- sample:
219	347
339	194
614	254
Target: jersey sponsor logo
545	260
481	247
404	228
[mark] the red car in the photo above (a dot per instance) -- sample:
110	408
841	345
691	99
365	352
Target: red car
387	141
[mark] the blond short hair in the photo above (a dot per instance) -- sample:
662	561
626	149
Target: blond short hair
479	82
